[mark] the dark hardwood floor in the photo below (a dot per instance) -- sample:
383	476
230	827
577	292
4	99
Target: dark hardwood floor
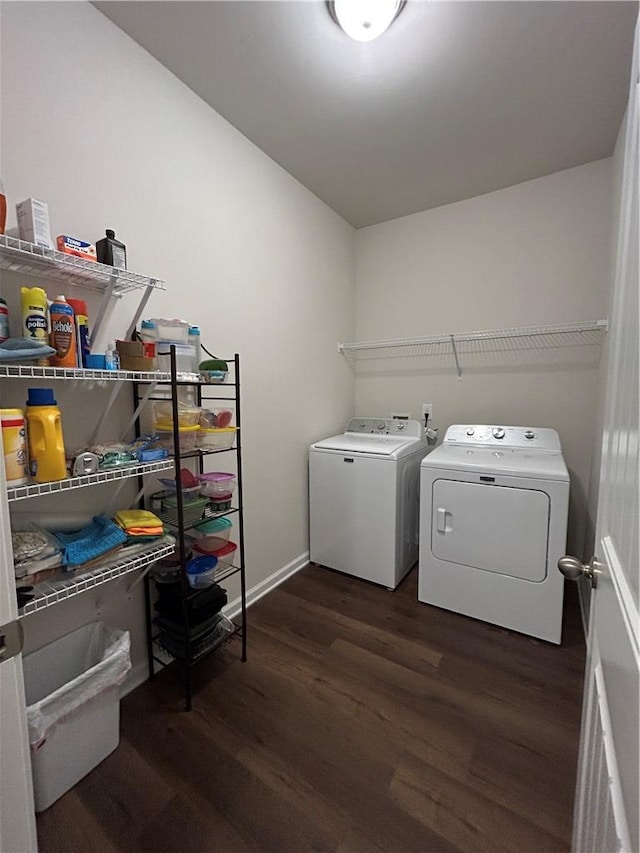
363	721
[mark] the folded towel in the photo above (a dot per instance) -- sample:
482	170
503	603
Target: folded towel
23	349
144	531
127	518
99	537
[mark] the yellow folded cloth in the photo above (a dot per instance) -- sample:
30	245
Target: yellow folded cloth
145	531
136	518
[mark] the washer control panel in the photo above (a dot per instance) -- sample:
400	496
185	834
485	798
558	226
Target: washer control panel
386	426
532	438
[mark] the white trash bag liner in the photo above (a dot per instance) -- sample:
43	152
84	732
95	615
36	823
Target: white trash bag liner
63	676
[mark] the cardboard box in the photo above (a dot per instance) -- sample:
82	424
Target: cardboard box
136	355
78	248
33	222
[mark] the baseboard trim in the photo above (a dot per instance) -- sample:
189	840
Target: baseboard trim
139	674
267	585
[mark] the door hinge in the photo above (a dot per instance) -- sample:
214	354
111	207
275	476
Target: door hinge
11	640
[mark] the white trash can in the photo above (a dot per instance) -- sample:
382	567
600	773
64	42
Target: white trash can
73	706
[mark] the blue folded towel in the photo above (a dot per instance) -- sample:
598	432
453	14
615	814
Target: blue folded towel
99	537
23	349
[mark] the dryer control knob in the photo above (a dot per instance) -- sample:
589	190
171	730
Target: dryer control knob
498	432
380	425
529	434
470	431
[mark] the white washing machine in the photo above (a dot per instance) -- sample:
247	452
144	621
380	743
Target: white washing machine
363	499
493	523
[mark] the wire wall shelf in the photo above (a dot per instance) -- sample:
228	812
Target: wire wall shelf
33	371
18	493
20	256
497	341
48	593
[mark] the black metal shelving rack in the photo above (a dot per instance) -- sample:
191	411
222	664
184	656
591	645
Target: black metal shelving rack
204	394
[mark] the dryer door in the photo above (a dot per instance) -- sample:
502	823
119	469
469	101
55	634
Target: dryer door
494	528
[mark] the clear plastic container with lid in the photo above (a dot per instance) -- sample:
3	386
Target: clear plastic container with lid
216	439
163	413
212	529
185	357
201	570
222	550
188	437
217	483
172	331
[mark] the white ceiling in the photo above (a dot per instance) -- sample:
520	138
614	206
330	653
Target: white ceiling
455	100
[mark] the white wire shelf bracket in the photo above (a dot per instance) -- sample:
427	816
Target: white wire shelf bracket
579	334
32	371
34	490
26	258
48	593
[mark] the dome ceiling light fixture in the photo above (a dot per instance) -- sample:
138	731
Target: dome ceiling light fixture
365	20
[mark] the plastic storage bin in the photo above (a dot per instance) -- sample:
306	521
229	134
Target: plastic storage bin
217	418
73	706
191	512
216	439
163	414
214	370
224	551
221	503
174	331
201	570
188	438
189	493
217	483
185	358
214	528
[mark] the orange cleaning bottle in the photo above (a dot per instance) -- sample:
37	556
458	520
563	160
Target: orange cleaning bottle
63	333
44	435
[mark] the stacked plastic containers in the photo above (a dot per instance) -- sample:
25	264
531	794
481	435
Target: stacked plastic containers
216	432
165	333
188	425
213	541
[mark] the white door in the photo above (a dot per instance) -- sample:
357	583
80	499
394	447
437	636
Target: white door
17	819
606	815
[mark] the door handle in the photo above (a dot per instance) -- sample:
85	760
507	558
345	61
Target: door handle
573	569
442	525
11	640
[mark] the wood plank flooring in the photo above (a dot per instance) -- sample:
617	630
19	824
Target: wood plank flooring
362	722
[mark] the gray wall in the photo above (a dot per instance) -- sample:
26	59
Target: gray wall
533	254
93	125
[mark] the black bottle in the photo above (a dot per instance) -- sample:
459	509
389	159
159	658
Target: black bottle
111	251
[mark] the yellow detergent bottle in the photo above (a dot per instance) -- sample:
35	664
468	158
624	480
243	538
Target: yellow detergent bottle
44	433
35	322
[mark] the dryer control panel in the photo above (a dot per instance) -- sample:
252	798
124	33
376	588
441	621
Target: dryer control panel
386	426
530	438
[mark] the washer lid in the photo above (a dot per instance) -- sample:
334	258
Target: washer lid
505	462
386	446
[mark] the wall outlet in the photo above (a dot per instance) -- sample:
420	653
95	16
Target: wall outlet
427	409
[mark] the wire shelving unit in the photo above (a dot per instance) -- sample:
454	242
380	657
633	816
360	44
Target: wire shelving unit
24	258
507	341
48	593
34	490
33	371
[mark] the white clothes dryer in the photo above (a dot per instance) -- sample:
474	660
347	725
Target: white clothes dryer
363	499
493	523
